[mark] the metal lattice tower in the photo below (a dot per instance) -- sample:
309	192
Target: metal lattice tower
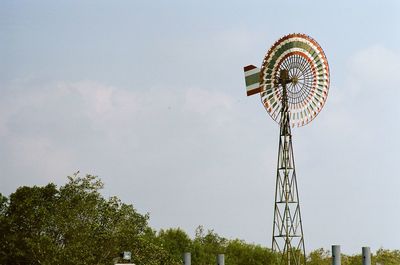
293	83
288	237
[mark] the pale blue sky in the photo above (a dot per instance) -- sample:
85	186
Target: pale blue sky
150	97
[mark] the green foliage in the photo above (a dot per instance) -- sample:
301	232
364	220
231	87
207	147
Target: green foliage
175	242
382	257
387	257
351	260
75	224
28	230
206	246
238	252
319	257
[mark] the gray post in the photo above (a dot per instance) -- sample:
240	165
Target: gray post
366	256
221	259
336	255
187	260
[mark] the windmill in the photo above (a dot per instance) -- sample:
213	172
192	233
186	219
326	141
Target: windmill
293	83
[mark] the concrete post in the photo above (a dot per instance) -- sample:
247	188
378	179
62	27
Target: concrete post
221	259
187	259
336	255
366	256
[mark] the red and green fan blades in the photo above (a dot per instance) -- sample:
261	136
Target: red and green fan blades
308	70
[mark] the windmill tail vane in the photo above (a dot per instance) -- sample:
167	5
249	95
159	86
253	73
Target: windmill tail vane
252	79
293	83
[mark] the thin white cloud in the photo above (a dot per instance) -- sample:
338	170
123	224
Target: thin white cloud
204	101
376	65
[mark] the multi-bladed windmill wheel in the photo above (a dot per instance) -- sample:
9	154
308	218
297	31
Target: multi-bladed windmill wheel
308	71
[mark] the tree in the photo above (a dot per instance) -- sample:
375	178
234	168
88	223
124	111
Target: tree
351	260
26	225
387	257
74	225
319	257
175	242
3	225
206	246
238	252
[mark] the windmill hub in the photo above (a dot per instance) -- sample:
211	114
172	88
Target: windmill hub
295	80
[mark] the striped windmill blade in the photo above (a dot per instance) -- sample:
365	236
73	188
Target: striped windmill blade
252	78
